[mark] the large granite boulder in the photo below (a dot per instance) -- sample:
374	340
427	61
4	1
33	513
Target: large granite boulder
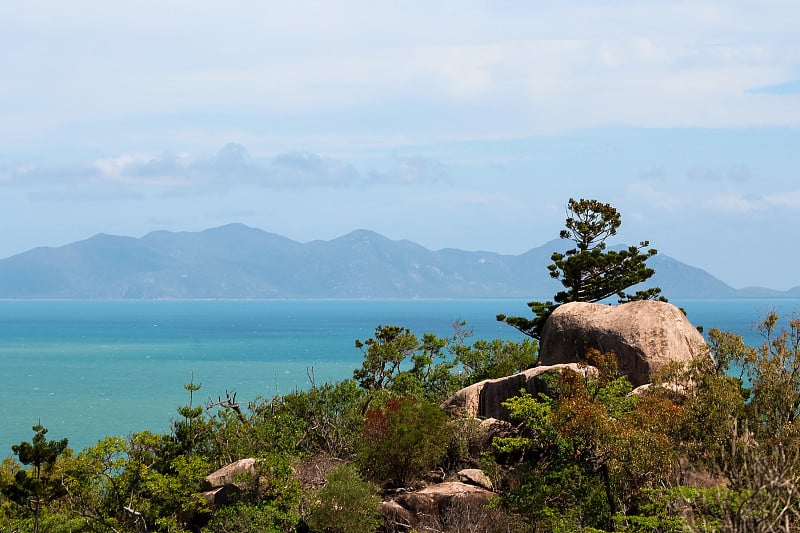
645	335
484	399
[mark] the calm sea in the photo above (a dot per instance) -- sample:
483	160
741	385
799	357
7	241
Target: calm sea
90	369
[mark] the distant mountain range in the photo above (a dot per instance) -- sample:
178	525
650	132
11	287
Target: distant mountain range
240	262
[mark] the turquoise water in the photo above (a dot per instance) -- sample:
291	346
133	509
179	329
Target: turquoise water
90	369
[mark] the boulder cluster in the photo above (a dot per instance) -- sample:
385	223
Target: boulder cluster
644	335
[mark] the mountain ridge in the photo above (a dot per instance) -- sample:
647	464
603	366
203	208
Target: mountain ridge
236	261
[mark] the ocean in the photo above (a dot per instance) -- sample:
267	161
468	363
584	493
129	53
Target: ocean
87	369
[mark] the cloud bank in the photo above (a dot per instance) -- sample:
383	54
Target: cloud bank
231	167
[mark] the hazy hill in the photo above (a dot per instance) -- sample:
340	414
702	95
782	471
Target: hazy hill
236	261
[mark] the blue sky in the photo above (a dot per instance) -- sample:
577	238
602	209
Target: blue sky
460	124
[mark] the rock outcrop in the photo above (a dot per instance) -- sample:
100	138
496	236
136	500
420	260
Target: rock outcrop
475	476
644	335
490	428
484	399
436	507
224	485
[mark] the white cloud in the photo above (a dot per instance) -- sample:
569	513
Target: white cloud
788	200
712	201
731	203
230	167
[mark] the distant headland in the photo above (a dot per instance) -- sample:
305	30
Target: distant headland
240	262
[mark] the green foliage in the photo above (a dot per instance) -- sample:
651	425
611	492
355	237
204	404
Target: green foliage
716	405
774	372
383	355
585	452
266	428
745	435
589	455
714	509
535	414
191	432
165	487
431	374
660	511
95	489
35	487
402	440
276	486
243	517
589	272
332	414
346	504
710	403
10	512
397	361
496	358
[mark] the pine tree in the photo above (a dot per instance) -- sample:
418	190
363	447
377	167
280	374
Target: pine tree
589	272
34	487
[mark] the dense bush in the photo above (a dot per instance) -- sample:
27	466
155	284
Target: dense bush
402	440
332	417
346	504
244	517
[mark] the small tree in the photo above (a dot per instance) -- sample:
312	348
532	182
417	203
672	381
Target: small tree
331	414
192	429
589	272
774	372
383	354
397	360
35	487
96	490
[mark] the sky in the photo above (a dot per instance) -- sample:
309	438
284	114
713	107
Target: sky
454	124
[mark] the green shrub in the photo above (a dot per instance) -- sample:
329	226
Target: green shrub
346	504
250	518
402	440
